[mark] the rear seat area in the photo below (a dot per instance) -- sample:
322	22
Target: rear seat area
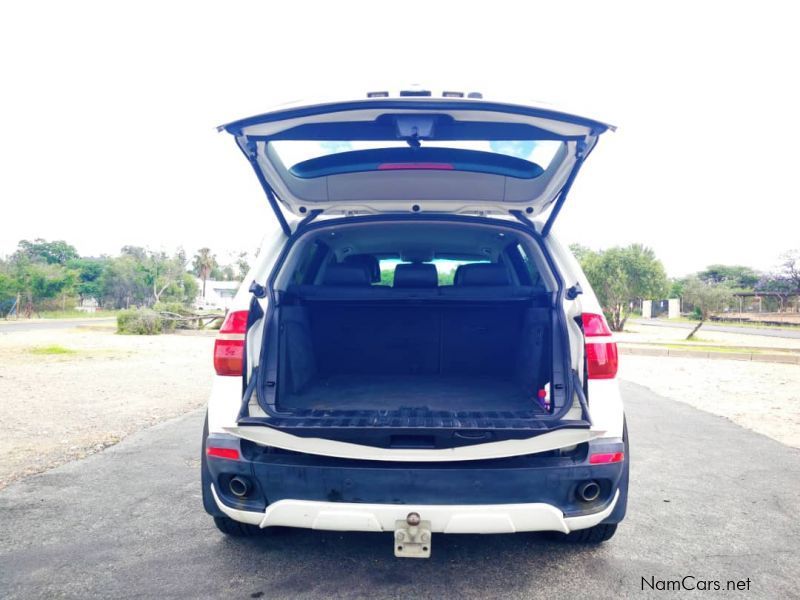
354	279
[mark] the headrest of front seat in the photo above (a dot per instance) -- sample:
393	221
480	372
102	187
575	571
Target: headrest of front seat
475	274
415	275
368	262
339	274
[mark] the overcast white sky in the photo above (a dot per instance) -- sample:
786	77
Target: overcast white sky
109	112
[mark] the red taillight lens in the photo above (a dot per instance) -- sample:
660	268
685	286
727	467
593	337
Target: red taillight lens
605	458
594	325
602	359
235	322
410	166
229	345
229	453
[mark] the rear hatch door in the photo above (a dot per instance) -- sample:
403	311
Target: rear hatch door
415	154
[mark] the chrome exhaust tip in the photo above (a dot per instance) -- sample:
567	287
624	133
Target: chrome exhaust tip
588	491
239	486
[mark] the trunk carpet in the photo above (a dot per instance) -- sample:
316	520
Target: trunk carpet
391	392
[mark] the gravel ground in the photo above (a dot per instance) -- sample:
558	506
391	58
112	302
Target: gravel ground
764	397
59	407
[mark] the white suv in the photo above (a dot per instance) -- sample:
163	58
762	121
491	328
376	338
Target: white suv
416	352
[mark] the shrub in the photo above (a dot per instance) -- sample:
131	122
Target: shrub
140	322
174	308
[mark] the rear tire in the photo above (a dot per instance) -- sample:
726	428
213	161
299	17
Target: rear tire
592	535
236	529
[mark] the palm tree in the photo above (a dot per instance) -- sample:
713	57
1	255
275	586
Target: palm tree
203	263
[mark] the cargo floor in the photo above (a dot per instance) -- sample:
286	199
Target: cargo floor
391	392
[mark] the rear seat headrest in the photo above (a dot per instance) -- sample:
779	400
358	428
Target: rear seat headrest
337	274
415	275
368	262
481	274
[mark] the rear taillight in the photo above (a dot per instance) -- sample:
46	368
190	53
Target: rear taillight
604	458
601	356
229	345
216	452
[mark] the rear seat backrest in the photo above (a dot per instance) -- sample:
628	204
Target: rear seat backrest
368	262
346	275
416	275
481	274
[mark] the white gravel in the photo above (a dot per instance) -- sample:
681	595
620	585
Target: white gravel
56	408
764	397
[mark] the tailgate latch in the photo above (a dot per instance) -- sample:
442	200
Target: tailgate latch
412	537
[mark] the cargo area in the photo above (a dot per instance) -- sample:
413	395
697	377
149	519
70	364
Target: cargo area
413	325
430	354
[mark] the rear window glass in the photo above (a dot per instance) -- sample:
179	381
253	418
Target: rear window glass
445	269
516	158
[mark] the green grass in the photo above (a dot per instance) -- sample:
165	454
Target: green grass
75	314
53	349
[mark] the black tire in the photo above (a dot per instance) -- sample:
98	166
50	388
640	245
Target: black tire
205	477
236	529
593	535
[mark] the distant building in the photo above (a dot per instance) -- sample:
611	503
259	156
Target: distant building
88	305
219	294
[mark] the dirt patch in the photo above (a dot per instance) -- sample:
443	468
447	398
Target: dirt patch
66	393
763	397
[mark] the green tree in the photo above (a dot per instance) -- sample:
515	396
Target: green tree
790	268
622	277
162	271
733	276
707	298
39	250
203	264
242	265
8	289
89	276
123	282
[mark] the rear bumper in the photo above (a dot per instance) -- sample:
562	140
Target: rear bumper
479	518
524	493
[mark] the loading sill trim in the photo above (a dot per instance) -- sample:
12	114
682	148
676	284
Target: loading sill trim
560	438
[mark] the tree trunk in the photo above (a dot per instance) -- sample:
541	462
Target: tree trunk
204	288
699	325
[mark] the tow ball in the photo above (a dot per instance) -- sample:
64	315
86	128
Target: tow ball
412	537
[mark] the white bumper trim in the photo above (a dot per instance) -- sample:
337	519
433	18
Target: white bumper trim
560	438
457	518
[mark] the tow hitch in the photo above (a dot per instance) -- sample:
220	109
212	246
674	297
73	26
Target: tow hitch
412	537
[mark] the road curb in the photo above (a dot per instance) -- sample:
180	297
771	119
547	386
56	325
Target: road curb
750	356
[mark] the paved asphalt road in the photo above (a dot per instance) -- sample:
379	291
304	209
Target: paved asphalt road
708	499
13	326
766	331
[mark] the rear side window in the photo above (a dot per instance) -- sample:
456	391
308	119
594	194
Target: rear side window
309	263
523	264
